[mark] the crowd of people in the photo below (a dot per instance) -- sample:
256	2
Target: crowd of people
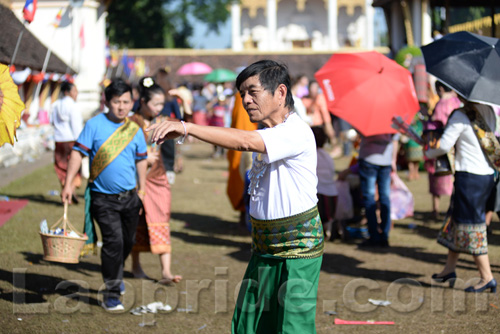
281	143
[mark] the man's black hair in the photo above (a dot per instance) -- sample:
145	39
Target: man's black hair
117	87
66	87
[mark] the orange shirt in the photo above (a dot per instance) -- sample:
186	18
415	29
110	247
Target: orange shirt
235	185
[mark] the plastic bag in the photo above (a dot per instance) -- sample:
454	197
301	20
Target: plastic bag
401	199
344	209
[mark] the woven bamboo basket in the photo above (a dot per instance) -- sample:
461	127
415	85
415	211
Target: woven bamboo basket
63	248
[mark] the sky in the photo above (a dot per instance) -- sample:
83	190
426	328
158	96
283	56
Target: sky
200	39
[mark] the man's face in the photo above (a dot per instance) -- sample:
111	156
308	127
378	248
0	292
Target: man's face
259	103
119	107
73	93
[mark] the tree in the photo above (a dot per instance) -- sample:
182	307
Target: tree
161	23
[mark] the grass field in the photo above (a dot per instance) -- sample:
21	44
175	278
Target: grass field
211	253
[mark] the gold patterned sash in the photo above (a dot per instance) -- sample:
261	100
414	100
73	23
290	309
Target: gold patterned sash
298	236
112	147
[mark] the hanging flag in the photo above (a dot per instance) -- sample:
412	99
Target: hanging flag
57	20
129	67
29	10
107	53
82	36
114	56
140	66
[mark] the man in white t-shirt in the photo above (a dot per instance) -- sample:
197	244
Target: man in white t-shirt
279	290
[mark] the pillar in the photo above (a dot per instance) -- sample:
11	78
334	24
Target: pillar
397	27
272	14
426	22
369	36
236	43
332	25
416	19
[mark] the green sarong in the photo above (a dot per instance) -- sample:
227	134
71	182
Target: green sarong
278	293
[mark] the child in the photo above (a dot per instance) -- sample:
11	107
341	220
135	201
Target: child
327	191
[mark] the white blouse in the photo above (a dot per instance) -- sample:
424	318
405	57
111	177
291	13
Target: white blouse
469	156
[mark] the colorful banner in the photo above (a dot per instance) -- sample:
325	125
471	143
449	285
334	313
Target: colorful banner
29	10
57	20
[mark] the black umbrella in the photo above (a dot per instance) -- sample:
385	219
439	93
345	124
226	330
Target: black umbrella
467	63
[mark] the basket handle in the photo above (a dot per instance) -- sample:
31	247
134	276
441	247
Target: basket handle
65	216
65	210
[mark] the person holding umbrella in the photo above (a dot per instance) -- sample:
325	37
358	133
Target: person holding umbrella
469	64
465	228
279	290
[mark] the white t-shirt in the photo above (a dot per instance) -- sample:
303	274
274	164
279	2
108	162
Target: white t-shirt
301	110
326	174
66	119
469	156
285	184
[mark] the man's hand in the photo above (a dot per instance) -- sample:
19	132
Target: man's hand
66	194
165	130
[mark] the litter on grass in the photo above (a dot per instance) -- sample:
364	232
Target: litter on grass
357	322
379	302
151	308
330	312
147	324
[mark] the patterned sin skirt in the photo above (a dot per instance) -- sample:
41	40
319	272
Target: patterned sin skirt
464	230
153	231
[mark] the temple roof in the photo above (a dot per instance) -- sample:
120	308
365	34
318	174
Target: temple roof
31	51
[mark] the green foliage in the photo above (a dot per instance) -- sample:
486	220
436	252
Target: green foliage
460	15
137	24
402	54
162	23
213	12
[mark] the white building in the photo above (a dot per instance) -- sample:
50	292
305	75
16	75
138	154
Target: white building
79	41
283	25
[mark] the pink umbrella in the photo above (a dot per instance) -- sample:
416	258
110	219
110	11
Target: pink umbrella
194	68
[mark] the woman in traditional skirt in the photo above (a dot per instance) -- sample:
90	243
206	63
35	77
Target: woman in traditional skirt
279	290
153	231
440	185
464	230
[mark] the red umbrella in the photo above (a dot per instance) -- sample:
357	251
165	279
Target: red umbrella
367	90
194	68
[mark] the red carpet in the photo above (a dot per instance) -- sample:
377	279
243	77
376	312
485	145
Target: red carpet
10	208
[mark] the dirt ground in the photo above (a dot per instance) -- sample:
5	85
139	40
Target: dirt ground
210	251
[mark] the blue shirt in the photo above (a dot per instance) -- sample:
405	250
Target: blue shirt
120	174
